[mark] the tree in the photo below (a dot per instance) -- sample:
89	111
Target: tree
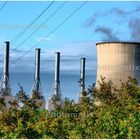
117	115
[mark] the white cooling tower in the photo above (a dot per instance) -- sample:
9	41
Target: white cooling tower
118	61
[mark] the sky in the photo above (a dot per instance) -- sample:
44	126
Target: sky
95	21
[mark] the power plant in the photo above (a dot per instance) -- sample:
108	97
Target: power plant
118	61
55	100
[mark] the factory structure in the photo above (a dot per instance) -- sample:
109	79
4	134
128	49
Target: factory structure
5	87
116	61
55	99
82	88
37	94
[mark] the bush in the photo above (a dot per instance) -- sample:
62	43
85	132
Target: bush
117	115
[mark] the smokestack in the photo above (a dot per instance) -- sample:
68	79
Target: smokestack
57	75
55	100
6	64
57	66
82	75
5	84
36	89
37	68
36	94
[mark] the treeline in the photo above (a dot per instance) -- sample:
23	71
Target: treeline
106	112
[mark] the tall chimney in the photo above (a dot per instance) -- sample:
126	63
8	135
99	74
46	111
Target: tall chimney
57	91
5	84
36	94
37	68
36	89
55	98
6	64
82	75
57	73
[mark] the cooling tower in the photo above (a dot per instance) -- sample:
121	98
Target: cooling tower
118	61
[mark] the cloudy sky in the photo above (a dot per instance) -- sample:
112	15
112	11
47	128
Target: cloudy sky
77	37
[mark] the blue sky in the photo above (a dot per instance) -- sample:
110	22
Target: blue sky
76	38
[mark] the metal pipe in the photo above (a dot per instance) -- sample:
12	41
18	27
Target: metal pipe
82	75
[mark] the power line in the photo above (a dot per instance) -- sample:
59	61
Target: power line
25	29
76	10
41	25
3	5
1	10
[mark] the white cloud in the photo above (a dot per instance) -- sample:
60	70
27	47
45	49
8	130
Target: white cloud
71	54
43	39
83	48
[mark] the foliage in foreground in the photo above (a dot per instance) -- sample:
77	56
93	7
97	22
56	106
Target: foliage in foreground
104	112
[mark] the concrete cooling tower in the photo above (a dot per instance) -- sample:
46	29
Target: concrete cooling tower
118	61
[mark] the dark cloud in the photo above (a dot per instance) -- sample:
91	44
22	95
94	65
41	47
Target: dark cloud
107	34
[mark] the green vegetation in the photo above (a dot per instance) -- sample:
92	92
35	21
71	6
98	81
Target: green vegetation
106	112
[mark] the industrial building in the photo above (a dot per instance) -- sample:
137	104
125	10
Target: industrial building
117	61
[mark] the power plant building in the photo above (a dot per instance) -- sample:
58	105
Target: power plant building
118	61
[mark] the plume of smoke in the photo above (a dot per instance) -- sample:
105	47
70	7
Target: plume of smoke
114	11
134	25
119	12
137	9
107	34
122	16
90	21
